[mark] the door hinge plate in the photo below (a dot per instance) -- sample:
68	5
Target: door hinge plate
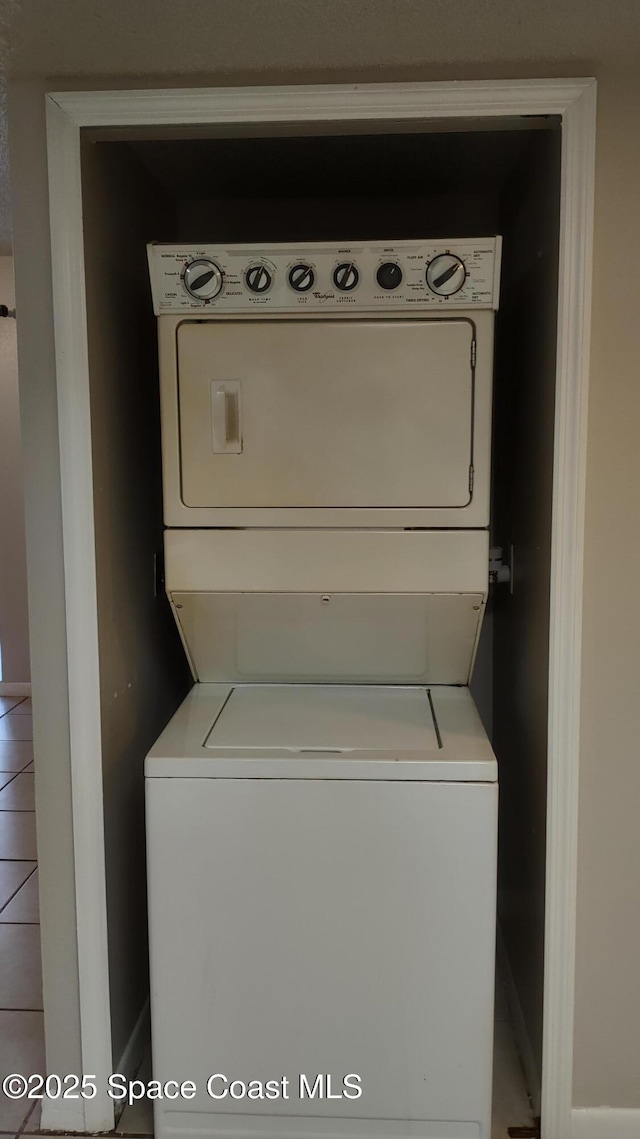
473	353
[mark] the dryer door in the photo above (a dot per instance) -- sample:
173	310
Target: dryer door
316	413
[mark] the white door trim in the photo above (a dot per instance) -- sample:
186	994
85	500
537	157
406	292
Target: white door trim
68	112
74	427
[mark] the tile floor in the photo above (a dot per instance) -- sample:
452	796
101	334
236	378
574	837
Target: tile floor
21	1027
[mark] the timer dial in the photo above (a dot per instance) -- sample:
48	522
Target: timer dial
258	279
446	274
302	277
389	275
345	276
203	279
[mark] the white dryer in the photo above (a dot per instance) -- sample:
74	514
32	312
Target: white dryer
322	809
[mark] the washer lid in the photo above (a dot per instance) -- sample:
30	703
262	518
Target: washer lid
328	718
305	731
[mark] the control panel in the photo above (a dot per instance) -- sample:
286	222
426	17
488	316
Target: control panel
358	276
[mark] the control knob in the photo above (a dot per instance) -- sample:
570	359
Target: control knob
258	278
446	274
345	276
203	279
389	275
302	277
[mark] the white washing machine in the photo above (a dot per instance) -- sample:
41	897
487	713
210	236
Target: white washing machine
322	809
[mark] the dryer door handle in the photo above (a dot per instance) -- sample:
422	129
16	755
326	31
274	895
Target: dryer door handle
226	428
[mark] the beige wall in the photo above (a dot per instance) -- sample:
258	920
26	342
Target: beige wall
608	993
607	1048
14	628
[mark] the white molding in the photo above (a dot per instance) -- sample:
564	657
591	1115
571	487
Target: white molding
15	688
574	101
519	1024
62	1115
567	560
325	102
76	477
605	1123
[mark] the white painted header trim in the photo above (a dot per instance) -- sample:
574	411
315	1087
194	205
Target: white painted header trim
366	101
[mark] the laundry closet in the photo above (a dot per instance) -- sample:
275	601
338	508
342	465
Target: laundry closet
327	203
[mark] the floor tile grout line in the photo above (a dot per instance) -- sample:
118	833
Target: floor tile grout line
13	774
26	1119
18	922
20	701
29	875
22	771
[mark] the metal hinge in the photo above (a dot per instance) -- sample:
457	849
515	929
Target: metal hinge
471	472
473	353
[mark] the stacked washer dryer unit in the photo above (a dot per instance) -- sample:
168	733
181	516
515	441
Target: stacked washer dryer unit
322	809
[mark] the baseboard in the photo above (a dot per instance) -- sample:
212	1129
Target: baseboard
12	688
527	1055
129	1062
62	1115
605	1123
